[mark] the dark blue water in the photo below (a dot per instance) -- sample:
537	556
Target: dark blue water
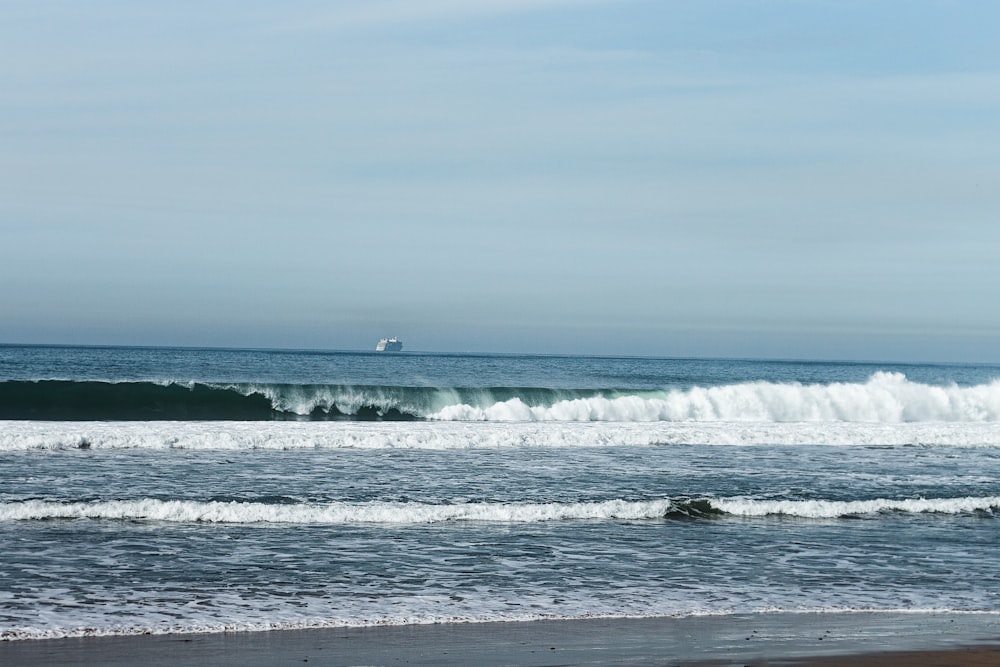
443	370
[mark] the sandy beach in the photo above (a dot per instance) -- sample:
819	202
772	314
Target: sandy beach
763	639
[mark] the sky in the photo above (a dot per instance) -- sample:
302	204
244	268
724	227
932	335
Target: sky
809	179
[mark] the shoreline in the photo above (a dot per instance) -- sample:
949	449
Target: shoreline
828	639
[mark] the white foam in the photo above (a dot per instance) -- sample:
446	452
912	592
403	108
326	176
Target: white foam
185	511
829	509
305	399
31	435
887	398
188	511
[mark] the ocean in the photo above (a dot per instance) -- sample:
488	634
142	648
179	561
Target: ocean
156	490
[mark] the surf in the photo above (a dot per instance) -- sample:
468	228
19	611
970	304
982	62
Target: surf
286	511
885	398
64	436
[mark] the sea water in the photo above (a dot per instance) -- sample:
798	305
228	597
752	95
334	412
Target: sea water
183	490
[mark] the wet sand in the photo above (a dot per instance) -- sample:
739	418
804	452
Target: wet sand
828	640
964	657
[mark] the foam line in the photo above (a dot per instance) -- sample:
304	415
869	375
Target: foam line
62	436
184	511
187	511
827	509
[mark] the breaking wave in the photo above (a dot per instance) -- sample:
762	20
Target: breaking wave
829	509
286	511
885	398
182	511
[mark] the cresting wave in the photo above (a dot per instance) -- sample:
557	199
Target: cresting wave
235	512
830	509
886	398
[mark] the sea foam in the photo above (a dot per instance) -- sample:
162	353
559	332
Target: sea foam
887	398
828	509
186	511
213	435
338	513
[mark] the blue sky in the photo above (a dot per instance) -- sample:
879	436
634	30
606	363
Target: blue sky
754	178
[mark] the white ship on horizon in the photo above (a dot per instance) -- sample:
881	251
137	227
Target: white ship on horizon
389	345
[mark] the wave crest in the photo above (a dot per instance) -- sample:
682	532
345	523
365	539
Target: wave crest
830	509
884	398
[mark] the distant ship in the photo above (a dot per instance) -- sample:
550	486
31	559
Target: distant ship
389	345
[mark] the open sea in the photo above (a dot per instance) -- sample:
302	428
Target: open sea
154	490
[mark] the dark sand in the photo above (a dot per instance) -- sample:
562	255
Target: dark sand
829	640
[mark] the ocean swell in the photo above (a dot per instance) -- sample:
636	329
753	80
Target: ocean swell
885	398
